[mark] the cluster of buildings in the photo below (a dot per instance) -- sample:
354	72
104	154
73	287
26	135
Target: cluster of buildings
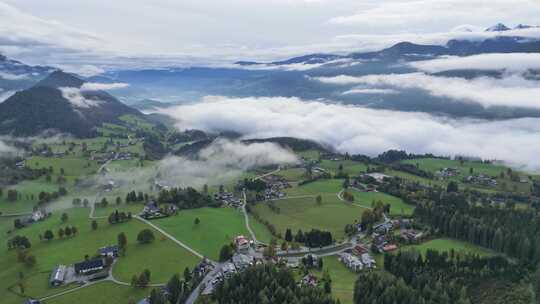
445	173
88	270
240	262
357	261
228	199
481	179
151	210
275	186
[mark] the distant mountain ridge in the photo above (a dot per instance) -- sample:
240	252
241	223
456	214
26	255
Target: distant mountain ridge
48	106
413	51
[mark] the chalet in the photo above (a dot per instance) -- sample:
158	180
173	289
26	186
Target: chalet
58	275
109	251
88	267
242	243
151	209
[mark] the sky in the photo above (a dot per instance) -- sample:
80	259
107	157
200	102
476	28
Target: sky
164	32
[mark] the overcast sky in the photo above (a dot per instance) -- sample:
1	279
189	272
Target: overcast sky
69	31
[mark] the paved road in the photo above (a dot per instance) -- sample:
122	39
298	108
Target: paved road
246	217
209	277
172	238
266	174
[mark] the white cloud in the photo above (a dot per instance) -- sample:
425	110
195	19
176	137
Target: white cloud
415	13
511	91
94	86
85	70
361	130
77	99
6	94
60	32
513	62
360	90
9	76
7	150
220	162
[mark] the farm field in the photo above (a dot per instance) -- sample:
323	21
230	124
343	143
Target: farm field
397	206
26	189
446	244
305	214
323	186
292	174
342	279
217	227
350	167
71	250
102	293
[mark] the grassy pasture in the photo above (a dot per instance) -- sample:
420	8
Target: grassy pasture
446	244
102	293
305	214
217	227
397	206
170	257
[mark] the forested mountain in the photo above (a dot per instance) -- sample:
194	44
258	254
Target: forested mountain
60	103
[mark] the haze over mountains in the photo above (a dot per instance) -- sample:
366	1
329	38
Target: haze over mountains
492	77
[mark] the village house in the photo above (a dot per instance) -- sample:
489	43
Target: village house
57	275
242	243
89	267
151	209
411	235
203	267
109	251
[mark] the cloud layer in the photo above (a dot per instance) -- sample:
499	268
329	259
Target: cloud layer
512	63
511	91
221	162
95	86
361	130
66	34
